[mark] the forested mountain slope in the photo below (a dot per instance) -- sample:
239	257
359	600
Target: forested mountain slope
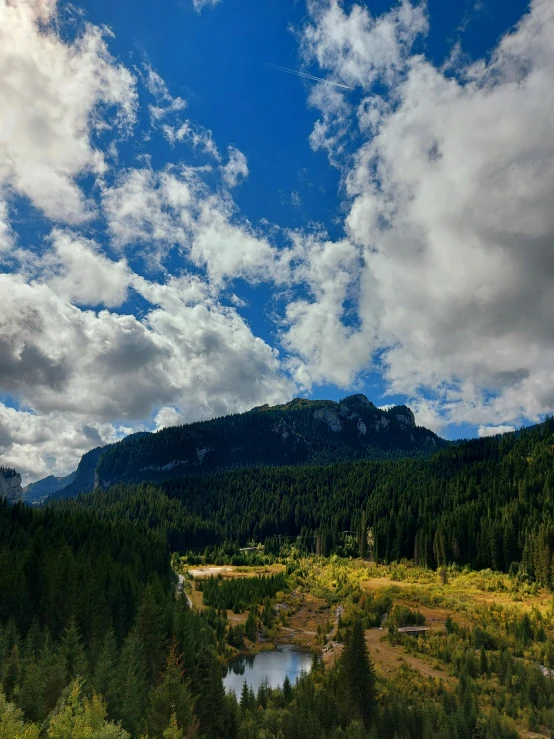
37	492
298	433
487	502
88	606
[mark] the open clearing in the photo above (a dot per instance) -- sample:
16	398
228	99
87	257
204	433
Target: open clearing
389	658
230	571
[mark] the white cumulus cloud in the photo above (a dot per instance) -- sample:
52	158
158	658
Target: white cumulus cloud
236	168
494	430
51	93
449	201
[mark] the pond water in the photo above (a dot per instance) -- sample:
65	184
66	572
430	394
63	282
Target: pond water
272	666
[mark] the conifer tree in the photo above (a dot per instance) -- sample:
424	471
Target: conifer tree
173	731
251	626
211	708
73	653
132	684
244	697
287	689
150	631
30	692
356	675
104	678
52	666
362	540
170	699
10	671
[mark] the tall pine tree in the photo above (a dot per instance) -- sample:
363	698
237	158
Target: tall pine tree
356	676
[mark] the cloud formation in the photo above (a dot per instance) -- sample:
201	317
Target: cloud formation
51	96
174	208
236	168
449	204
199	4
119	313
82	365
100	369
494	430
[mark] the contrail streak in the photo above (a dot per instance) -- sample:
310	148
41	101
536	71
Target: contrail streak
308	76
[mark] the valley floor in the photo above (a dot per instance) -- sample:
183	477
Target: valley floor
496	628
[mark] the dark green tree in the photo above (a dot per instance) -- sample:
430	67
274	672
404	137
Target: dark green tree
73	653
171	697
251	626
132	682
356	676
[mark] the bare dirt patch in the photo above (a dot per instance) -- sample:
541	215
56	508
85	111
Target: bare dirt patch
209	571
229	571
388	658
307	613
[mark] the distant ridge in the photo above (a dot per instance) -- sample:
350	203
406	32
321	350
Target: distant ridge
301	432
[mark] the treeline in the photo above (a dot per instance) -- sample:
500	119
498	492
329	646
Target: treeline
486	503
67	565
7	472
240	593
337	703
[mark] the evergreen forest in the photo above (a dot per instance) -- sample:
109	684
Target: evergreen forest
98	637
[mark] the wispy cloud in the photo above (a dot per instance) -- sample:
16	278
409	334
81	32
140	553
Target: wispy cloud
199	4
308	76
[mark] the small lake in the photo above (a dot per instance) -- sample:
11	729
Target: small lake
272	666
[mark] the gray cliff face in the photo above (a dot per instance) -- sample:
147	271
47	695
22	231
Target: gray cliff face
330	417
404	415
10	486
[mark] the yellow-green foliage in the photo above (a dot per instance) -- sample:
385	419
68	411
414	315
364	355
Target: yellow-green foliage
77	717
500	630
12	725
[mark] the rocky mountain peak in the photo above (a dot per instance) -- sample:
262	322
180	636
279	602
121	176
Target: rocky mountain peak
403	415
357	401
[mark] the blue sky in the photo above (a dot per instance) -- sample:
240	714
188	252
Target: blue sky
187	231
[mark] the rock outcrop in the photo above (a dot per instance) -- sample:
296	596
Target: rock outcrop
10	485
404	415
330	417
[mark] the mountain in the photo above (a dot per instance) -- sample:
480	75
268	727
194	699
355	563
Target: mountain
302	432
83	480
298	433
83	477
36	492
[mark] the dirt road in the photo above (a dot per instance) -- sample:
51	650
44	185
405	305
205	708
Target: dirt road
181	588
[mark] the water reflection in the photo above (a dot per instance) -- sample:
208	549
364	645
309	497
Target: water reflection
270	666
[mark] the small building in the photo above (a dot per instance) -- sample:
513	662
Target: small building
413	630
